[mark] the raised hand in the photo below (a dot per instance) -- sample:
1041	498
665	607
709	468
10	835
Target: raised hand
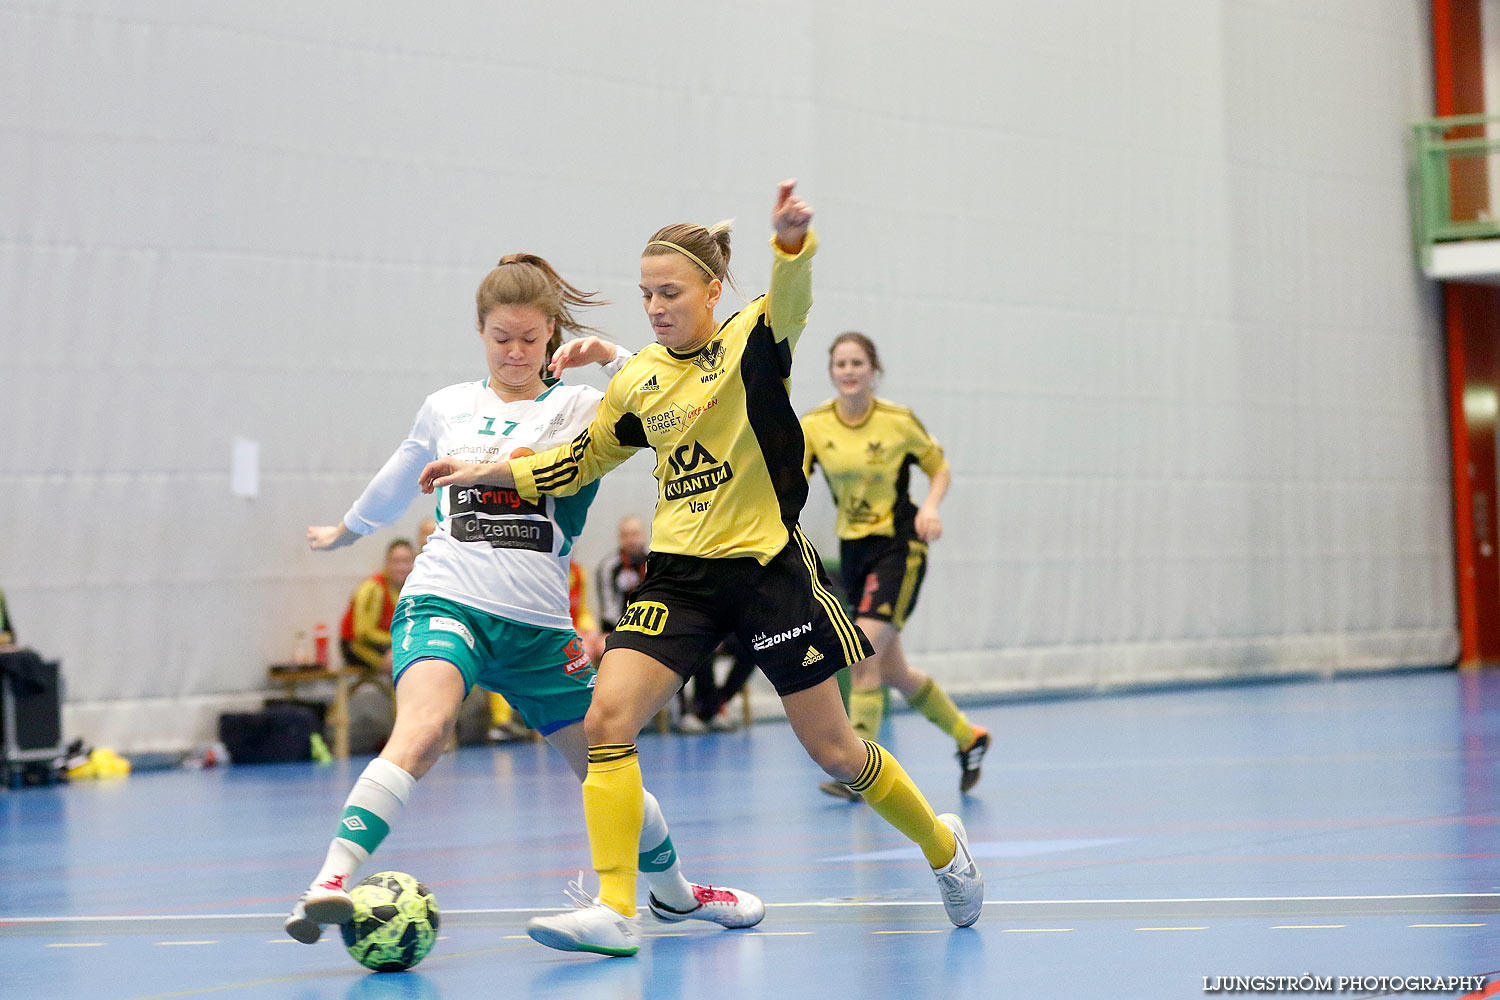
580	352
790	217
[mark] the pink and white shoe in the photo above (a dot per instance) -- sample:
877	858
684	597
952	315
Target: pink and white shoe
324	902
716	904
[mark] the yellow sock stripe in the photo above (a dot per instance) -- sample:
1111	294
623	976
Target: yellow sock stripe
848	637
915	553
604	753
874	760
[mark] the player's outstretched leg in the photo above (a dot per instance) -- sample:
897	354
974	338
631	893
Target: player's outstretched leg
820	724
377	799
672	897
428	695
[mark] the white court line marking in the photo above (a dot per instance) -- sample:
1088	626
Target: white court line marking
77	944
781	933
1490	898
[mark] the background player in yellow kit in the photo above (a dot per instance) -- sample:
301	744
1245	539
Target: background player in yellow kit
866	447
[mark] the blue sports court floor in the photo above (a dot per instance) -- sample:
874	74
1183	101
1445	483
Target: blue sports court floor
1151	845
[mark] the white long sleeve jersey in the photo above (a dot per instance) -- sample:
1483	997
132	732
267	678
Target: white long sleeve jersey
492	550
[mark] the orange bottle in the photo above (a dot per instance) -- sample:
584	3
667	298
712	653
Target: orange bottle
320	645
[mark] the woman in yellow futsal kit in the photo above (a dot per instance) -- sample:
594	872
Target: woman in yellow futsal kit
726	556
867	447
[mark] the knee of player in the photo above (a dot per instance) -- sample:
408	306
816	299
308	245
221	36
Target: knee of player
609	722
840	759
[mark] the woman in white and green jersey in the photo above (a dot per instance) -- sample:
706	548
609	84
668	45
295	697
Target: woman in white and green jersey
487	601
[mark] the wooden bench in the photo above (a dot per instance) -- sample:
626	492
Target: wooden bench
343	679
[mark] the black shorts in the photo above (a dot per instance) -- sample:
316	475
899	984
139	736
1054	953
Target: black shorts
794	627
882	575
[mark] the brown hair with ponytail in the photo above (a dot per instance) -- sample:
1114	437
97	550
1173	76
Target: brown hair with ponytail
707	249
525	279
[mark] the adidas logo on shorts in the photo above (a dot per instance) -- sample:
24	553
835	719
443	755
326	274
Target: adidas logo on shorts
813	656
650	385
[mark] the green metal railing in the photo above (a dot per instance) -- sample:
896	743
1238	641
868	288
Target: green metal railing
1451	194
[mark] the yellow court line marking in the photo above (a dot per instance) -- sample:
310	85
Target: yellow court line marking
911	932
1308	927
160	944
1447	925
1035	930
77	944
1171	928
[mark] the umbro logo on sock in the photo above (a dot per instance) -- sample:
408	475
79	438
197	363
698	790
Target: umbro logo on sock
664	858
353	823
813	656
650	385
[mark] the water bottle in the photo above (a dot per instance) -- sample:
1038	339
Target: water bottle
320	646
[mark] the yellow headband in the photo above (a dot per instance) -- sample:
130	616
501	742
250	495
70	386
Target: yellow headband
688	254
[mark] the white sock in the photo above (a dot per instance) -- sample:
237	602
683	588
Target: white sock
374	803
659	862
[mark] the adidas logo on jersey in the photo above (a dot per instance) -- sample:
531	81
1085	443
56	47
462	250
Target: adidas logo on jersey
650	385
813	656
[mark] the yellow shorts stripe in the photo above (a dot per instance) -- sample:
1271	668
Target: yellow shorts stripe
848	636
916	558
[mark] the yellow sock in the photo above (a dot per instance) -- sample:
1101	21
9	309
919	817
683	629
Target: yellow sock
613	810
933	702
897	800
500	710
866	708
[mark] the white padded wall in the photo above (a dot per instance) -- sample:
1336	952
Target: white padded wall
1142	267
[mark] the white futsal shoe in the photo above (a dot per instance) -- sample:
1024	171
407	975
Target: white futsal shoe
960	881
725	907
592	927
323	903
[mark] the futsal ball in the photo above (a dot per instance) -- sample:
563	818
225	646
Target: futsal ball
395	922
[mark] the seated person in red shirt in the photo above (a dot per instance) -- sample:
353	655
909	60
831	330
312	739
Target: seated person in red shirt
365	634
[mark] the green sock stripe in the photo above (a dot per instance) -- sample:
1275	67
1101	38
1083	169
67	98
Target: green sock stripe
362	827
604	753
874	759
660	858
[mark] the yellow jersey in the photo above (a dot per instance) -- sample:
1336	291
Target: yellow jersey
727	441
868	466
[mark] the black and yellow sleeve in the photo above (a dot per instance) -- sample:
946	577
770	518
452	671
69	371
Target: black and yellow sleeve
611	438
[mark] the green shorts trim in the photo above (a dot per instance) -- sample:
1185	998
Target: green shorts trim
543	672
